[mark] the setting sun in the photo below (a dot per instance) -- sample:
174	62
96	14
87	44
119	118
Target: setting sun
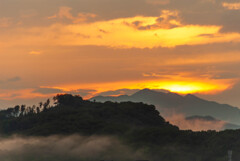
190	87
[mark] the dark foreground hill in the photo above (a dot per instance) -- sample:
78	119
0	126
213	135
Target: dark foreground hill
137	125
188	105
74	115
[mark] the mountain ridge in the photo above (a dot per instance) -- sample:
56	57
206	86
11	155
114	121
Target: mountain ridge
188	105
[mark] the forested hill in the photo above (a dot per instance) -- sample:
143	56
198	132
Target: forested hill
72	114
136	124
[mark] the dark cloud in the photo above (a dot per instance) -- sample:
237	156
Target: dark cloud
47	90
9	80
204	118
126	92
83	92
119	92
226	75
208	12
165	21
230	96
230	21
14	79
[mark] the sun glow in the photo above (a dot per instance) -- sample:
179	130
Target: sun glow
190	87
184	88
181	87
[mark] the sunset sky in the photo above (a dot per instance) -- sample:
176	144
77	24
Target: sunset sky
113	47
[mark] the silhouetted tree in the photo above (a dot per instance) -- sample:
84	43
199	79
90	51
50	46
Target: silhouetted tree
46	105
38	110
16	110
40	105
68	99
23	108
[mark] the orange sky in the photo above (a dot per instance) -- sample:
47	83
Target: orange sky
90	47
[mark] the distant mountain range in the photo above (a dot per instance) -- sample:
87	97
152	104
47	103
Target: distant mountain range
188	105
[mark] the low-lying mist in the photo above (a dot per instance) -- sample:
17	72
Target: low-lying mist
194	123
66	148
183	123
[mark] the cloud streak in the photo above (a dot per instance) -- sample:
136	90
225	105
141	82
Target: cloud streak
231	6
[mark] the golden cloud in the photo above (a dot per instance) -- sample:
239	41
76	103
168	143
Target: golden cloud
146	32
34	52
167	30
22	94
231	6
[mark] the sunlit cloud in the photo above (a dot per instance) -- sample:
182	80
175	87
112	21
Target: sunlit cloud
231	6
166	30
35	52
22	94
121	35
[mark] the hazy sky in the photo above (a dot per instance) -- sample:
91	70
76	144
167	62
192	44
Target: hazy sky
91	46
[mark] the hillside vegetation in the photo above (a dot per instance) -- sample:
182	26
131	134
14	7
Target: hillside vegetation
137	125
